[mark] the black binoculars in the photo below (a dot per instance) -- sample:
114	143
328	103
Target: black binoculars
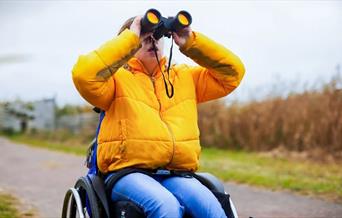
161	26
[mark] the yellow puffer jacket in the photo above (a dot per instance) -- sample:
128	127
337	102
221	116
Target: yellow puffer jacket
142	127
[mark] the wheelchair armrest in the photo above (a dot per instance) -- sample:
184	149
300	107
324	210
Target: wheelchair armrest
210	181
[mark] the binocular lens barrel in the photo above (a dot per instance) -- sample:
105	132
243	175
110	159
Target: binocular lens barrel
161	26
184	18
150	20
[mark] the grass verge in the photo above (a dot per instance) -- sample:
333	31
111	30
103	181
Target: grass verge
7	206
75	148
11	207
304	177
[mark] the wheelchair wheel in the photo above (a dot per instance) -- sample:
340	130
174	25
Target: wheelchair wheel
81	201
217	188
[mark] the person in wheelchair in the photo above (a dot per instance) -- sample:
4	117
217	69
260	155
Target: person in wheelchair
150	114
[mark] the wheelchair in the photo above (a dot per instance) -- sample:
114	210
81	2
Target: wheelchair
90	196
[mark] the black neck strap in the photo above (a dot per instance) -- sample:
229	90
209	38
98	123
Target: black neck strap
168	69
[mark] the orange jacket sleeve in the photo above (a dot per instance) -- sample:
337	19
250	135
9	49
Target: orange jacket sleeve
93	72
220	71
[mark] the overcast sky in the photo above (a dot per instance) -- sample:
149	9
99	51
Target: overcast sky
284	41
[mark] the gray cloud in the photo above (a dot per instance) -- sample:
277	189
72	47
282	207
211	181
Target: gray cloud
275	39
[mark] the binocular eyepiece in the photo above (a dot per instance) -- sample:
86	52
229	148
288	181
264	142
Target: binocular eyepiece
161	26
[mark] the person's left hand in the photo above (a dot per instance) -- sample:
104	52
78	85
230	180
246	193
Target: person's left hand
181	36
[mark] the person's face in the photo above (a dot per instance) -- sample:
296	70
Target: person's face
146	53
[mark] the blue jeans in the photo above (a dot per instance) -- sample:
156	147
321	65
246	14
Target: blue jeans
162	196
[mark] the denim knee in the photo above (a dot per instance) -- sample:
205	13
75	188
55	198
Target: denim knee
164	206
147	193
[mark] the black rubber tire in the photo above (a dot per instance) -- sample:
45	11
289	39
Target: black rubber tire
85	190
72	207
69	205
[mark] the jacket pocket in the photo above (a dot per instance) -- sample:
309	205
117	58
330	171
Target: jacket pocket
123	138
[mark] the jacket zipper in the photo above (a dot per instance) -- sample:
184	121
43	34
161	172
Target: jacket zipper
161	118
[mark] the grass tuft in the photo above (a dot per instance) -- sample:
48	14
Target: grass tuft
7	206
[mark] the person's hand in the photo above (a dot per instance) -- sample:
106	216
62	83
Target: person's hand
136	25
136	28
181	36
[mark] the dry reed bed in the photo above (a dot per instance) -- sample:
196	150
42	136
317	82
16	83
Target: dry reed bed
304	122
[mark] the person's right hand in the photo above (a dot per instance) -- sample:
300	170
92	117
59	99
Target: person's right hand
136	25
136	28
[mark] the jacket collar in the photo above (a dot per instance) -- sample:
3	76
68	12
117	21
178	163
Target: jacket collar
136	66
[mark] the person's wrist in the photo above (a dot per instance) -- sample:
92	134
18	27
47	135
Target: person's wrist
136	26
185	40
188	42
136	31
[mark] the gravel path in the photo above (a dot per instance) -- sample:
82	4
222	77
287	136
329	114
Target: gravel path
40	178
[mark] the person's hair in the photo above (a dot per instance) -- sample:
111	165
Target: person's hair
126	25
